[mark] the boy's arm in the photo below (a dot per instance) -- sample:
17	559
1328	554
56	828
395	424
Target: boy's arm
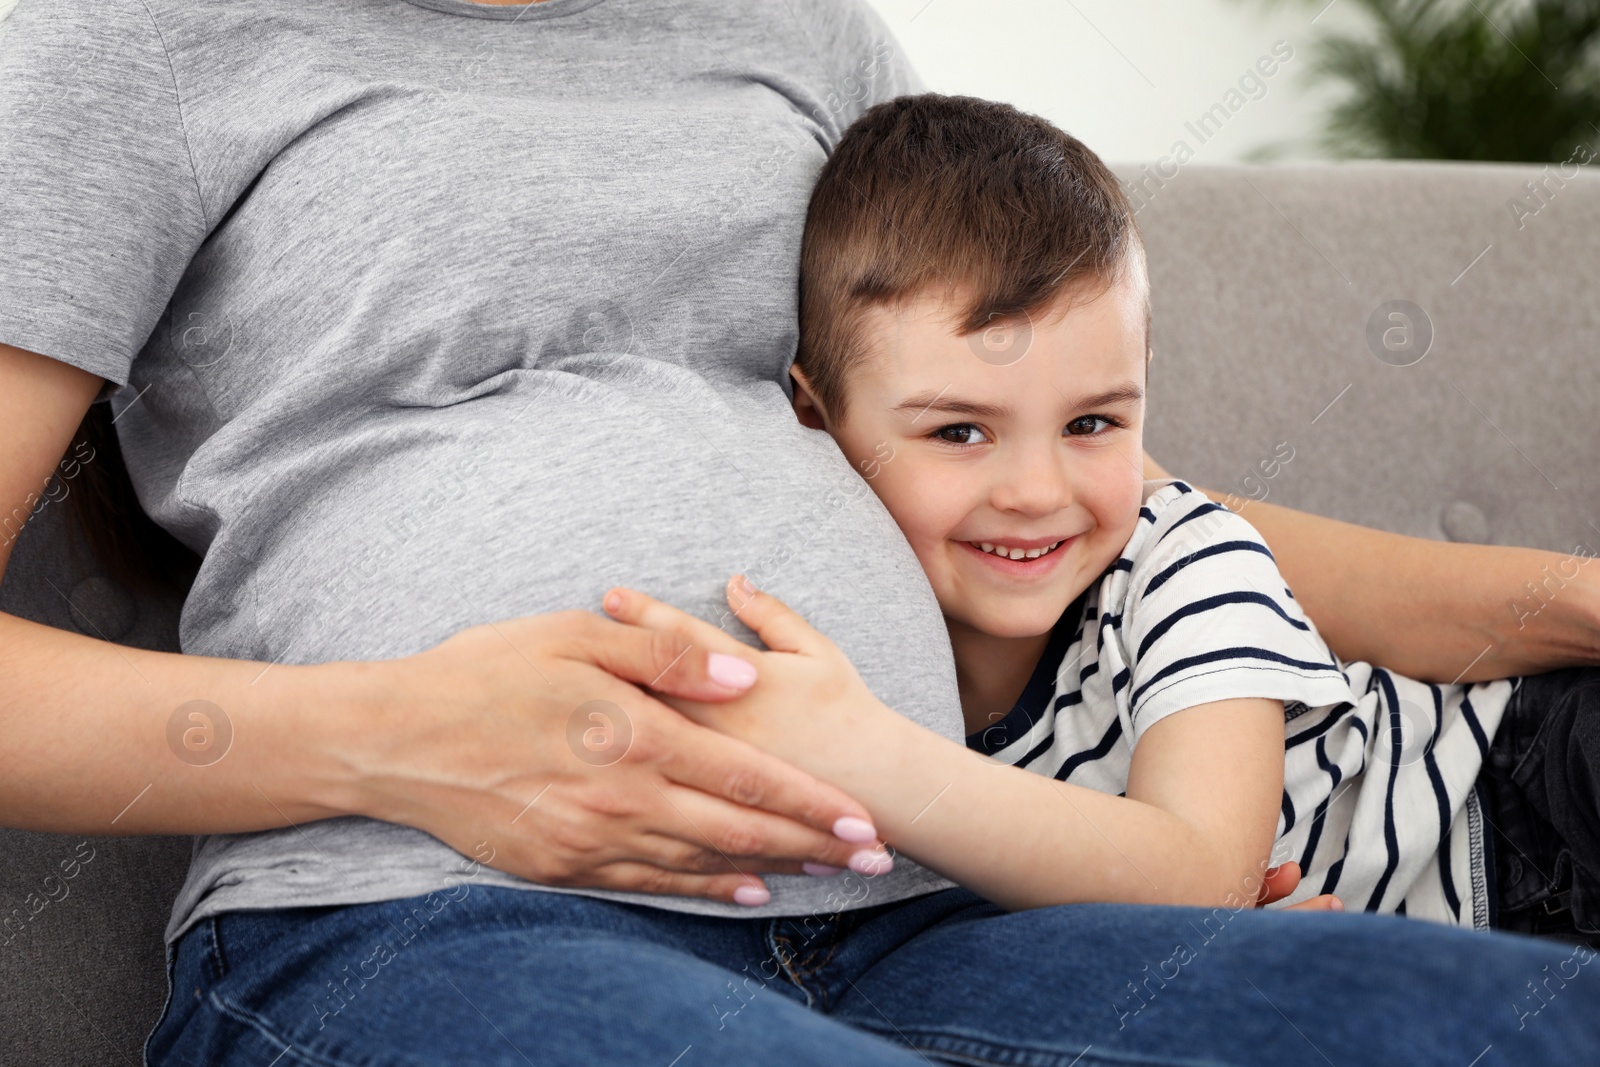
1195	828
1432	610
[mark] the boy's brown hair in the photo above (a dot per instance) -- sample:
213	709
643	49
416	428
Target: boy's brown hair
955	192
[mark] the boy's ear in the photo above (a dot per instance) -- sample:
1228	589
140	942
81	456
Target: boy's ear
807	408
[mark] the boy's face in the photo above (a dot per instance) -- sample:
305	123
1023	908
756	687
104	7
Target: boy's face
1041	458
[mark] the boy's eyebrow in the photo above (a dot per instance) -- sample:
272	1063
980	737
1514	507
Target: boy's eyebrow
1126	392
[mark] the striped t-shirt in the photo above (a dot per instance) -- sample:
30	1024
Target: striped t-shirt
1380	800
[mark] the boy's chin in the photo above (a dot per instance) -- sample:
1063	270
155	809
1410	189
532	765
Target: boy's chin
1016	620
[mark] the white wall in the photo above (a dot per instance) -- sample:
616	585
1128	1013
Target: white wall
1125	75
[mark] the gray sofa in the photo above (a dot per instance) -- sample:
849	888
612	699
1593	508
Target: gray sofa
1473	419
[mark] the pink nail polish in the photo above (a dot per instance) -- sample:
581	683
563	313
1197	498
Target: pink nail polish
730	671
752	896
871	863
820	870
854	830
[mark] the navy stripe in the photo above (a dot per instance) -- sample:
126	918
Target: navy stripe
1241	652
1210	550
1329	721
1199	607
1288	813
1447	878
1315	835
1441	796
1205	509
1080	758
1332	880
1470	713
1038	750
1120	680
1391	837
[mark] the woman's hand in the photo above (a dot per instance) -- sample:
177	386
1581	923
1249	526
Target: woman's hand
809	699
524	743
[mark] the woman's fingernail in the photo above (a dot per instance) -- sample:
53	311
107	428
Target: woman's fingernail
613	602
730	671
1336	904
746	585
854	830
821	870
870	863
752	896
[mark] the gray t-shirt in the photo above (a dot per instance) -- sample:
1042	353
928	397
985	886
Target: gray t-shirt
428	314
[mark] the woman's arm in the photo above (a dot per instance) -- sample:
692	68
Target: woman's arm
1432	610
1196	826
459	740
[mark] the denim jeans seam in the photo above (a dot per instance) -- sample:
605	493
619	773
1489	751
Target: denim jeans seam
781	951
300	1054
219	959
984	1052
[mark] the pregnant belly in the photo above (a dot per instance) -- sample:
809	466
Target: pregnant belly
385	541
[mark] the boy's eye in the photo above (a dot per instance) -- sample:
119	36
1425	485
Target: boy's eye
1090	420
961	434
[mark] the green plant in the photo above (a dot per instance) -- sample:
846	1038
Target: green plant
1510	80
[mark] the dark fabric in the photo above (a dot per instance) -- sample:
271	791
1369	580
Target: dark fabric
1542	778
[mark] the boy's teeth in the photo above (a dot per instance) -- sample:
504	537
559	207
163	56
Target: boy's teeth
1017	553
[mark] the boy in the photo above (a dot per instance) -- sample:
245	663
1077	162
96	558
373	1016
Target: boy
974	335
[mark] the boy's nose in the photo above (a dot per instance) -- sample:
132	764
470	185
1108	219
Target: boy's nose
1034	483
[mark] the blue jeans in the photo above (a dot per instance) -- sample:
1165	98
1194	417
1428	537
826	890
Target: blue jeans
513	977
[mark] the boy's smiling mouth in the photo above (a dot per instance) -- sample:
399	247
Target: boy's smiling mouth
1018	556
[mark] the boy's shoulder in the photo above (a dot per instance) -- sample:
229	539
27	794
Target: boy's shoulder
1177	521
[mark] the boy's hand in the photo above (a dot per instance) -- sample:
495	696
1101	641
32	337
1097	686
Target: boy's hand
808	706
1279	882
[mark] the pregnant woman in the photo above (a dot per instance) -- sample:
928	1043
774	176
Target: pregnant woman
424	322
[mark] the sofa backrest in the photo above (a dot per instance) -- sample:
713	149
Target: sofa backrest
1273	291
1423	338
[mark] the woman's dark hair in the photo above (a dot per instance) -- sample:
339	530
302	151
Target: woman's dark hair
953	191
105	514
